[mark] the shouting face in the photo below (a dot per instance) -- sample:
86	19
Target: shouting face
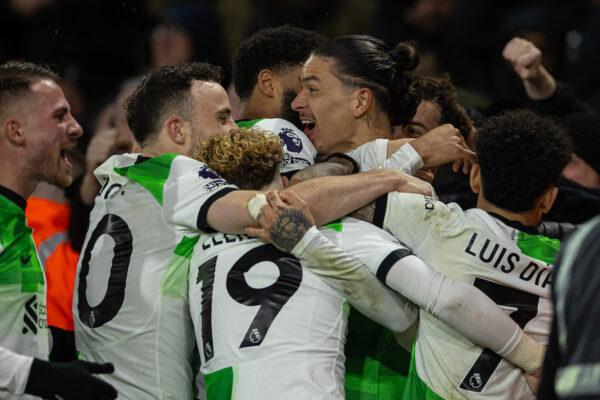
50	131
325	107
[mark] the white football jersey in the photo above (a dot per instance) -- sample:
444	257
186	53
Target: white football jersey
508	264
298	150
266	327
130	303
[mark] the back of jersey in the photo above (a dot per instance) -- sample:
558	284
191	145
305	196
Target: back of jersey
508	265
266	328
130	304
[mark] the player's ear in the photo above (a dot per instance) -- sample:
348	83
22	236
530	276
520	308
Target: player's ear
265	82
14	132
361	101
285	181
175	130
475	179
548	199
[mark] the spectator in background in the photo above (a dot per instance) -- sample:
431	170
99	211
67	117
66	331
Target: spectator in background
112	136
188	31
575	203
584	167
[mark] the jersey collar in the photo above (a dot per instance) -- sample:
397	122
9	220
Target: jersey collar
12	196
516	224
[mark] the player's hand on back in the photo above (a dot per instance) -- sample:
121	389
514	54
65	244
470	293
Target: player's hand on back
426	174
413	184
70	381
443	145
284	220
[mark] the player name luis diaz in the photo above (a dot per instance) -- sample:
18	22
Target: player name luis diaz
500	258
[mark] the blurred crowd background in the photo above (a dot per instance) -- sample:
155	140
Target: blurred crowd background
97	45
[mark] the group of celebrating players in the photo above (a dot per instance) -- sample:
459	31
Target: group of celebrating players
223	258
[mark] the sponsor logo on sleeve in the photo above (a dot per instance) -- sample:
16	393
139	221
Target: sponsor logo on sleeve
215	180
288	159
291	141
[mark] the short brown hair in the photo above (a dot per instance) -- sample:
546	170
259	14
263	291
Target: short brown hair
16	79
163	90
247	158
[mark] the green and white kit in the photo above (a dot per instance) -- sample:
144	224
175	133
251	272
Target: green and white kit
23	324
269	328
510	265
130	304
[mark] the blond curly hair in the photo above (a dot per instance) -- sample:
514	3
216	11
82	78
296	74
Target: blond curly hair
247	158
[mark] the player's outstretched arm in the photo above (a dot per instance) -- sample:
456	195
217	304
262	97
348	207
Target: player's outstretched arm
334	165
466	309
439	146
287	223
329	197
333	197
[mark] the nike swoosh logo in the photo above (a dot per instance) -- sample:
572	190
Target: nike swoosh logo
25	260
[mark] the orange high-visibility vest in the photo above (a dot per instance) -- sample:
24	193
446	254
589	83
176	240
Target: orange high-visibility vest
50	223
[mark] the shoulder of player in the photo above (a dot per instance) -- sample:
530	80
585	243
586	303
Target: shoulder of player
412	201
279	125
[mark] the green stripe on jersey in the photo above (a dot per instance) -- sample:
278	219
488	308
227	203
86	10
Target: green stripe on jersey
19	263
335	225
248	124
539	247
415	388
376	365
151	174
220	385
175	278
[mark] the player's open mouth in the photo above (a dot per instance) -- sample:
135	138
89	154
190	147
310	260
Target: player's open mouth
63	156
309	127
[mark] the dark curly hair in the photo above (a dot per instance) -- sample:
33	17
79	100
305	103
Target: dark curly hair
441	92
273	48
164	90
16	79
521	154
364	61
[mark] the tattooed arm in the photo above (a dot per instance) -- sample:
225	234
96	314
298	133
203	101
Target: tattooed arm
288	225
283	225
458	304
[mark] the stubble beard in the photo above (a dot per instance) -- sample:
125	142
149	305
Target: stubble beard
286	109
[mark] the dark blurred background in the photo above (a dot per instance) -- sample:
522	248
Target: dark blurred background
97	44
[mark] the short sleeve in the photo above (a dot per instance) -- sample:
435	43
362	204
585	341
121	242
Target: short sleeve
188	193
370	155
405	159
